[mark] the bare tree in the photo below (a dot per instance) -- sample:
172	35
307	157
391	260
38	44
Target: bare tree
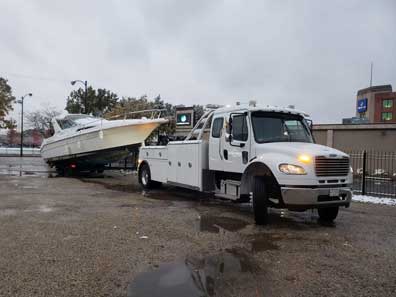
40	120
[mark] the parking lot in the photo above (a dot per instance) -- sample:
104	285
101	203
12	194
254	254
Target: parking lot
103	236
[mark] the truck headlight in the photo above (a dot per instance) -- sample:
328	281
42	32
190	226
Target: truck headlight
292	169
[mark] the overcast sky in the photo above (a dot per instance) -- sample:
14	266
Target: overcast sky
313	54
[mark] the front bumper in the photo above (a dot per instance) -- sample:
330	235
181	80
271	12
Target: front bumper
304	198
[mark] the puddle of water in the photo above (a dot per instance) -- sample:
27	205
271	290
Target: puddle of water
14	172
128	188
127	205
193	277
29	187
41	208
264	242
213	224
176	194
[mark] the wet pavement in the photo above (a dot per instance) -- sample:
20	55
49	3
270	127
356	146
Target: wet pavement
103	236
26	166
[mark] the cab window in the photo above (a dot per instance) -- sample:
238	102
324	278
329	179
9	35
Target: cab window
217	126
239	128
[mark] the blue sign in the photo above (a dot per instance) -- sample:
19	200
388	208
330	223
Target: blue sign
362	105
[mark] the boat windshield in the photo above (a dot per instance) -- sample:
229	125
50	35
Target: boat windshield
280	127
76	120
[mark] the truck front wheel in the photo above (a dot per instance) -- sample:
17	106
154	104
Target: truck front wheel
328	214
260	200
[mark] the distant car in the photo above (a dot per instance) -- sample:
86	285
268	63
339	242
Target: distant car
380	172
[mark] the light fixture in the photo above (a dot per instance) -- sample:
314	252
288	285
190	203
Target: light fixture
292	169
305	158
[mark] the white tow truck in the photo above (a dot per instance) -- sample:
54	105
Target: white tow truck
263	154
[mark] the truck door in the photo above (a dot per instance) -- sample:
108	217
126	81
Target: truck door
215	153
236	144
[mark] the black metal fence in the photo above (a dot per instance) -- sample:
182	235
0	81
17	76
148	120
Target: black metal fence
374	173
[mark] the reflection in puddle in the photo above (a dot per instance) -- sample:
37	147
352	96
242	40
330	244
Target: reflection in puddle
214	223
264	242
193	277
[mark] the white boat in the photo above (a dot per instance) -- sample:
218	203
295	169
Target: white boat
88	141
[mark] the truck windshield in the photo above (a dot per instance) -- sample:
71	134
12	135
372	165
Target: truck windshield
279	127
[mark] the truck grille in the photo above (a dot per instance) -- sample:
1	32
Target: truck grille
331	166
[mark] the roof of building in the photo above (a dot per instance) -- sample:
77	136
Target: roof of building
375	89
377	126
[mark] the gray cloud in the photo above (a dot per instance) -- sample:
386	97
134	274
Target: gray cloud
313	54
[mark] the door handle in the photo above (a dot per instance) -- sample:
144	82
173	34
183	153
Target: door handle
245	157
225	154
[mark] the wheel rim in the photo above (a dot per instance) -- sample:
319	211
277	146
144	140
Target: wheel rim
145	177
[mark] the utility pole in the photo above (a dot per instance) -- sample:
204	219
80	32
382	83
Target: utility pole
371	75
21	102
86	96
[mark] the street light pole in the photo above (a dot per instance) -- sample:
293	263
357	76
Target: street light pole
85	83
21	101
86	96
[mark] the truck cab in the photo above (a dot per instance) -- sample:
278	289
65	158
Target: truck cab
265	155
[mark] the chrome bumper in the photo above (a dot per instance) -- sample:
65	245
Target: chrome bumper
316	197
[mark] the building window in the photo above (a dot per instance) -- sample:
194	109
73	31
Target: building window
386	116
387	103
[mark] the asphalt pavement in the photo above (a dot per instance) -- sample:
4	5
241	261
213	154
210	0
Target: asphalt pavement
103	236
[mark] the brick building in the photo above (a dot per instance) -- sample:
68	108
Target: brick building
377	104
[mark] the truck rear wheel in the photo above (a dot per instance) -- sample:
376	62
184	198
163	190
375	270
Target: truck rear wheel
328	214
145	178
260	199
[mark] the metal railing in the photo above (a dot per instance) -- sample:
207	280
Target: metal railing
374	173
154	113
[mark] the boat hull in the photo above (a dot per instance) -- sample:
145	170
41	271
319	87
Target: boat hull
87	143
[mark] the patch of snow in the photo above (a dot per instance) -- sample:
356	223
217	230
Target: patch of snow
375	200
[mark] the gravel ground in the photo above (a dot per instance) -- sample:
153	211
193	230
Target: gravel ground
103	236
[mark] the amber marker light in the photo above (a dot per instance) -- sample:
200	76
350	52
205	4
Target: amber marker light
305	158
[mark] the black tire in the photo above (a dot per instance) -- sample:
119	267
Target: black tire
328	214
145	178
60	170
260	201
